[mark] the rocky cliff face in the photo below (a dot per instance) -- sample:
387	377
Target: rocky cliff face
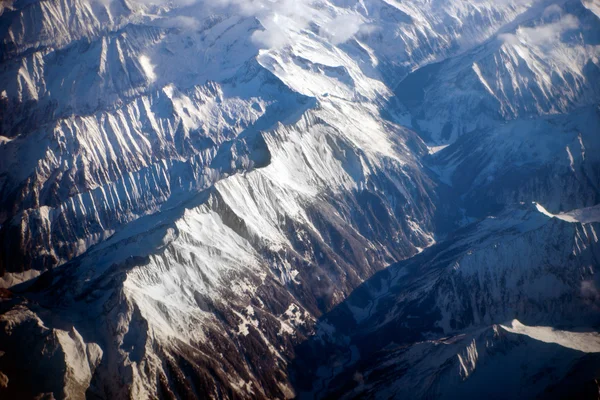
186	188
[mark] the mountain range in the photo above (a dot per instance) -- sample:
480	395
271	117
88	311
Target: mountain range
299	199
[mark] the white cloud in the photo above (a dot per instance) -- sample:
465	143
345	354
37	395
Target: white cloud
174	2
341	28
542	34
280	18
180	21
274	35
148	68
552	10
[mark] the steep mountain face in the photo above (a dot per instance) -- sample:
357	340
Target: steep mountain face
543	159
432	325
468	365
547	65
185	188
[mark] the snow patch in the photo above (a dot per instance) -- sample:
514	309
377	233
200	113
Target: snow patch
580	215
571	161
587	342
437	149
10	279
